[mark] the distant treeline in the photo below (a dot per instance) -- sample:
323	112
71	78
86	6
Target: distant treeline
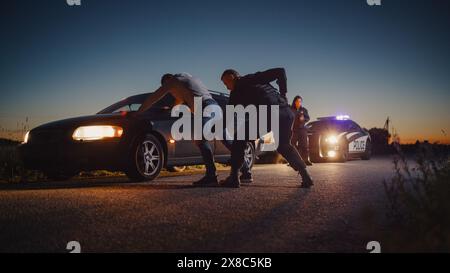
8	142
381	144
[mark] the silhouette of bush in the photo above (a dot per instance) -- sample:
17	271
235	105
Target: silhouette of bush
11	167
418	202
380	141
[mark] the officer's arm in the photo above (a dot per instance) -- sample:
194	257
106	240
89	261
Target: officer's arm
232	99
306	115
268	76
153	98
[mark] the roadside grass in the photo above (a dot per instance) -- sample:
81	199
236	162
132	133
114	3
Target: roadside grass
417	202
11	167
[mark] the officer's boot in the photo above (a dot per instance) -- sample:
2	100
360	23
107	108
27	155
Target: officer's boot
207	181
231	181
307	180
246	176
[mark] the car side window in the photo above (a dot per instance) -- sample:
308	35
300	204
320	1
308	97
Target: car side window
128	108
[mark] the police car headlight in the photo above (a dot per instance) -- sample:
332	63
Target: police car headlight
331	153
331	139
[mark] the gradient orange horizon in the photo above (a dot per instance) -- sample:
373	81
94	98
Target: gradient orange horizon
406	138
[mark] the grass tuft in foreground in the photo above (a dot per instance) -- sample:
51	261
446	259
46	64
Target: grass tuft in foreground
418	202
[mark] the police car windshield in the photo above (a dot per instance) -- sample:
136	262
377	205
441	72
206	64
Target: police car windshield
339	125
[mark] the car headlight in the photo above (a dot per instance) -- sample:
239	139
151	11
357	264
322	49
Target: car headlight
97	132
25	138
331	153
331	139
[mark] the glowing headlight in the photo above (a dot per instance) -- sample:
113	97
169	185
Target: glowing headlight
97	132
331	140
331	153
25	138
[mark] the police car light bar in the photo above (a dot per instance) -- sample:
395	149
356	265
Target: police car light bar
342	117
339	117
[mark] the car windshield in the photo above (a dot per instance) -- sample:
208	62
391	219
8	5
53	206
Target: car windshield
338	125
132	104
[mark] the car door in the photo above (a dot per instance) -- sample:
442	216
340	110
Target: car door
357	139
219	148
186	148
160	115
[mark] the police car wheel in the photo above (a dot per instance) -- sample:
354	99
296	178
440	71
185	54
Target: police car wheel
343	155
316	159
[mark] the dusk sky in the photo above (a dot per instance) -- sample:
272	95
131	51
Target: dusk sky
343	57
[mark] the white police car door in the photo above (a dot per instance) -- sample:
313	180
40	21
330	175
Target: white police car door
356	139
357	142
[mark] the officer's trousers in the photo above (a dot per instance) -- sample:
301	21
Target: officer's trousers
285	148
300	142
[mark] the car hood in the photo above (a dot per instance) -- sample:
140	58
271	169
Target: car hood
98	119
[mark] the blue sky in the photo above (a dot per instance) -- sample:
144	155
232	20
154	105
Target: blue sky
347	57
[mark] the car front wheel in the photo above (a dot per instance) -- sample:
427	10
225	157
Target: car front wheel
249	155
146	159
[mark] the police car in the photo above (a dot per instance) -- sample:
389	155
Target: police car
338	138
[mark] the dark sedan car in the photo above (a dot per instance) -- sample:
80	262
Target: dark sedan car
116	139
338	138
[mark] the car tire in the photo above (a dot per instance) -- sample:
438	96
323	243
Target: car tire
249	155
146	159
343	154
176	169
316	159
368	153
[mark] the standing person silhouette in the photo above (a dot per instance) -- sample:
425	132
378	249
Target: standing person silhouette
299	131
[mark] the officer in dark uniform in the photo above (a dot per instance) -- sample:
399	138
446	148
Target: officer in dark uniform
299	131
255	89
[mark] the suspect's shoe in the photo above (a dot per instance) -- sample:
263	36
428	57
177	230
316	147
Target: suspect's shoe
231	182
308	163
207	181
246	178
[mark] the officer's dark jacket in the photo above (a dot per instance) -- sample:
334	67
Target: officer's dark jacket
298	124
256	89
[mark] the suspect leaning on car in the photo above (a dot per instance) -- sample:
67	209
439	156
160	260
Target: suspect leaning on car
184	88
